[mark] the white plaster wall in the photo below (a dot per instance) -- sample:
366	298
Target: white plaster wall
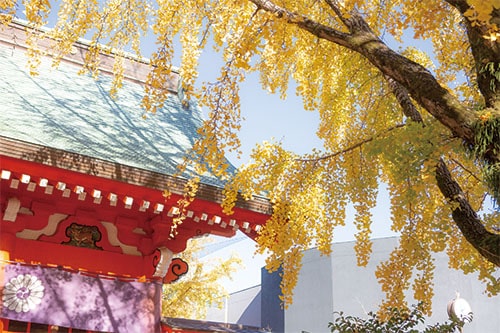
486	309
336	283
242	307
355	289
312	305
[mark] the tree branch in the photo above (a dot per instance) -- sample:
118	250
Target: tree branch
461	5
337	11
419	82
466	170
404	100
317	29
406	78
485	242
464	216
350	148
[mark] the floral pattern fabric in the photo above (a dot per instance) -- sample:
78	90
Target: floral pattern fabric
80	301
23	293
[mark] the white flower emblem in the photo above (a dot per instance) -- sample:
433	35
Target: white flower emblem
23	293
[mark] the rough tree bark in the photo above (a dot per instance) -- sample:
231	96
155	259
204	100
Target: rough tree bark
485	242
413	79
467	220
484	52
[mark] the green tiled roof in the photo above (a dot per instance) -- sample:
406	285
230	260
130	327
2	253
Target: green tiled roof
210	326
63	110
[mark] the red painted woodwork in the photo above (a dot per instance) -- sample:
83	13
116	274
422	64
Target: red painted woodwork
138	228
77	259
11	326
178	268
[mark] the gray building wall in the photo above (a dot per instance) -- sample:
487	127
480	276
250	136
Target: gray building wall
312	305
355	290
272	312
242	307
335	283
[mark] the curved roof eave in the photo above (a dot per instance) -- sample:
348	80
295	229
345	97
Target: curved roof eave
67	114
62	109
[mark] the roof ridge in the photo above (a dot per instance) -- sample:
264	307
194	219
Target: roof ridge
135	68
87	42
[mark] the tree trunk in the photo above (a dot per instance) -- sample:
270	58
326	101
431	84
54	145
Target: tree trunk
486	54
485	242
407	76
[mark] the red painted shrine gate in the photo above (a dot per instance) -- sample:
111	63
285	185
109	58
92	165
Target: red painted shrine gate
86	233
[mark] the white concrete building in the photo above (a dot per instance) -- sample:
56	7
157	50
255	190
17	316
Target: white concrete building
329	284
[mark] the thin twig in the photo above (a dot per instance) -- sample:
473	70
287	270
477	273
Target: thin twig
357	145
465	169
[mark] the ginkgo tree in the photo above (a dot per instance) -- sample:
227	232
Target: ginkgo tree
426	123
202	285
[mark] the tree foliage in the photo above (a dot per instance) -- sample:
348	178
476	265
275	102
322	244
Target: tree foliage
424	122
190	296
396	321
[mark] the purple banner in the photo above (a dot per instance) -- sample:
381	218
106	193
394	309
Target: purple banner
57	297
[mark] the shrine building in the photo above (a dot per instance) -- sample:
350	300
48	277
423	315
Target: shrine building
86	237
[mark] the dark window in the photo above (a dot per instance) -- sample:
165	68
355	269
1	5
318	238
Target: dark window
17	326
21	326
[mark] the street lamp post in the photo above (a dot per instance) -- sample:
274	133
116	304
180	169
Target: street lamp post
459	310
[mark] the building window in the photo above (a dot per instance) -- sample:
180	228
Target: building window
26	327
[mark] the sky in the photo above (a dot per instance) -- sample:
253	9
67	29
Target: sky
268	117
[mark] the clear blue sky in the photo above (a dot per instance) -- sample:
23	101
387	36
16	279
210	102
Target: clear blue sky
266	117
